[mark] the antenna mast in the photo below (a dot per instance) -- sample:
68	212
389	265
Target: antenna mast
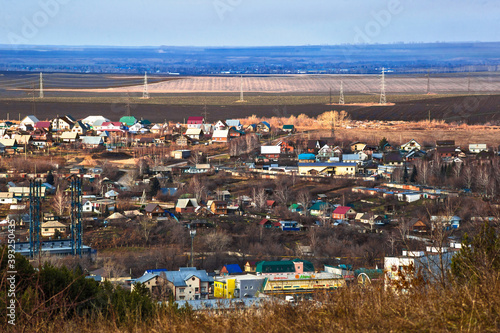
145	93
383	99
41	85
341	98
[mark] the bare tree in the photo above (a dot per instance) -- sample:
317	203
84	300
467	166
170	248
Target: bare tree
198	187
259	198
304	198
147	226
112	268
60	202
282	192
468	175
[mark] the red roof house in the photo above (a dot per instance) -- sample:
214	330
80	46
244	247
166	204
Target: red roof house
343	213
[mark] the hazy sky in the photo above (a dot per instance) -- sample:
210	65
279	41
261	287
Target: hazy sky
245	22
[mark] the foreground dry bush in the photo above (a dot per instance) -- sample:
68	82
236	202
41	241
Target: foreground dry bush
456	309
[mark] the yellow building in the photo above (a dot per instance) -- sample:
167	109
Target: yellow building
224	288
330	169
296	283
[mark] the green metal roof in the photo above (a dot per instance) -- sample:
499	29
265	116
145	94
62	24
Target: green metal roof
285	266
128	120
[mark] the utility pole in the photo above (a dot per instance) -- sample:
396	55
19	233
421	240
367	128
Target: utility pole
330	96
383	99
145	93
41	85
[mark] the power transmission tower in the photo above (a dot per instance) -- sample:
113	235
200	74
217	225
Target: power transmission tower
41	85
205	113
383	99
145	93
143	198
241	89
330	96
428	82
341	98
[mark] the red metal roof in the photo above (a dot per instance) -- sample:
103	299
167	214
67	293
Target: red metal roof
341	210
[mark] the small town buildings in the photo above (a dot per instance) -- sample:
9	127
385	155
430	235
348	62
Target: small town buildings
69	137
28	122
92	141
241	286
289	128
64	123
329	169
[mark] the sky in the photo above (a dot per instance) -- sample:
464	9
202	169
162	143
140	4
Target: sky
246	22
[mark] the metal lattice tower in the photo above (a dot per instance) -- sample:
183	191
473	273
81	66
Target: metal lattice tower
41	85
143	197
428	82
145	93
35	214
383	99
241	89
341	98
76	216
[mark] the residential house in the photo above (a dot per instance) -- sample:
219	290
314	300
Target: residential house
320	208
94	121
419	226
393	158
343	213
92	141
128	120
45	125
154	210
307	158
111	126
221	136
358	146
64	123
410	145
195	122
234	123
313	146
271	152
194	133
263	127
48	229
475	148
290	226
235	133
182	141
69	137
328	169
28	122
230	270
217	207
240	286
444	152
135	128
289	128
286	147
221	125
79	127
186	205
41	137
445	143
188	283
267	224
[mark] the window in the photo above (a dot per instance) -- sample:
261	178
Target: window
181	290
196	290
181	297
251	287
246	287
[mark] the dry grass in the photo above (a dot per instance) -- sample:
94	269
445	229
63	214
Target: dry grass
353	309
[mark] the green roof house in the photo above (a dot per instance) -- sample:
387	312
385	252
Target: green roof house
128	120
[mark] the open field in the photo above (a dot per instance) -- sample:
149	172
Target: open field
472	109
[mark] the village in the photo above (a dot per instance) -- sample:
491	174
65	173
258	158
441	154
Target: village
230	211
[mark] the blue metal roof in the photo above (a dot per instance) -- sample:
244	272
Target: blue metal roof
307	157
233	269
